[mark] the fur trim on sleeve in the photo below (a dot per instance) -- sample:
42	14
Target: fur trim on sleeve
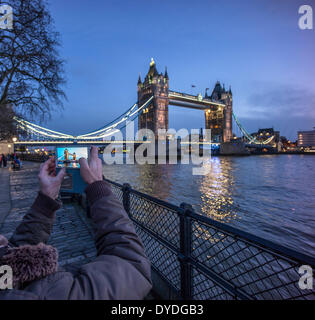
30	262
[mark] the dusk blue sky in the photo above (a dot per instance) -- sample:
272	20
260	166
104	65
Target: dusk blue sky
255	46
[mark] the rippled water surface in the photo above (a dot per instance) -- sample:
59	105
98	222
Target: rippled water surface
271	196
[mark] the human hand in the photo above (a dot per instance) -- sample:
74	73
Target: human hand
48	180
91	171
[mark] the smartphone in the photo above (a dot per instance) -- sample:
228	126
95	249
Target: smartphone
68	157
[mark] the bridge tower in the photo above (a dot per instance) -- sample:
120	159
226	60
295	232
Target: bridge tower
155	116
219	119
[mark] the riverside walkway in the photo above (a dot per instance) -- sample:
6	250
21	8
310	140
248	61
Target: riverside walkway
72	233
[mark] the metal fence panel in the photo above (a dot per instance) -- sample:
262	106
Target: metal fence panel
213	261
159	219
251	268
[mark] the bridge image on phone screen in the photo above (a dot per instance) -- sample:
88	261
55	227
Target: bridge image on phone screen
69	157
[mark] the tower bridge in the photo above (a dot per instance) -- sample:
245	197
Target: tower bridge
151	109
217	107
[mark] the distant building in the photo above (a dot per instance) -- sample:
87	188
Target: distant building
264	134
5	147
288	145
306	139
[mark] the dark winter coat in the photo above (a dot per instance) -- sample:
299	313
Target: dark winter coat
121	269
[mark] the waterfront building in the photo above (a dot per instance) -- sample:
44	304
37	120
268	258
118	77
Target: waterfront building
5	147
306	139
288	145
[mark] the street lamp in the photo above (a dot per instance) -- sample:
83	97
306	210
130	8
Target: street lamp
9	146
14	139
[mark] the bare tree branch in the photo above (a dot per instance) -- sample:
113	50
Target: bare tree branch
31	71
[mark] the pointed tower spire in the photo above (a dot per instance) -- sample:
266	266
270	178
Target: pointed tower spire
152	71
139	80
166	74
230	91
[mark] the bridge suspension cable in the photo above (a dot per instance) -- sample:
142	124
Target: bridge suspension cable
38	130
243	130
251	139
121	116
109	129
106	130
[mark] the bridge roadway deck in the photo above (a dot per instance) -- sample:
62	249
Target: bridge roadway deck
72	234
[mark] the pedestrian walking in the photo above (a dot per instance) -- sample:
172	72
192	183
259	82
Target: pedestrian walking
4	160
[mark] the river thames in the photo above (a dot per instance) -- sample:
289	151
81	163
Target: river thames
271	196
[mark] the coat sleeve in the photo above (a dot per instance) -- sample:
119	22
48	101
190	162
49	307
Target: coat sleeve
37	224
121	269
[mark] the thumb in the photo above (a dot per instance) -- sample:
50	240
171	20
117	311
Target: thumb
61	174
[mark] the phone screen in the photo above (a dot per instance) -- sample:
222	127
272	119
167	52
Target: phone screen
69	156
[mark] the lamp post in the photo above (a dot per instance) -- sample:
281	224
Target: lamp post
9	146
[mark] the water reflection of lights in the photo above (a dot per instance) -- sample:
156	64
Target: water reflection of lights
216	190
155	179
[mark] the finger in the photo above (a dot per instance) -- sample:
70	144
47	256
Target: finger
44	167
84	166
52	167
61	174
51	161
83	163
94	153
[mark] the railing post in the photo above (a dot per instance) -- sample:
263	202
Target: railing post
185	250
126	198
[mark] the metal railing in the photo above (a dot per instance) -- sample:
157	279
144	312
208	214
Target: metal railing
201	258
